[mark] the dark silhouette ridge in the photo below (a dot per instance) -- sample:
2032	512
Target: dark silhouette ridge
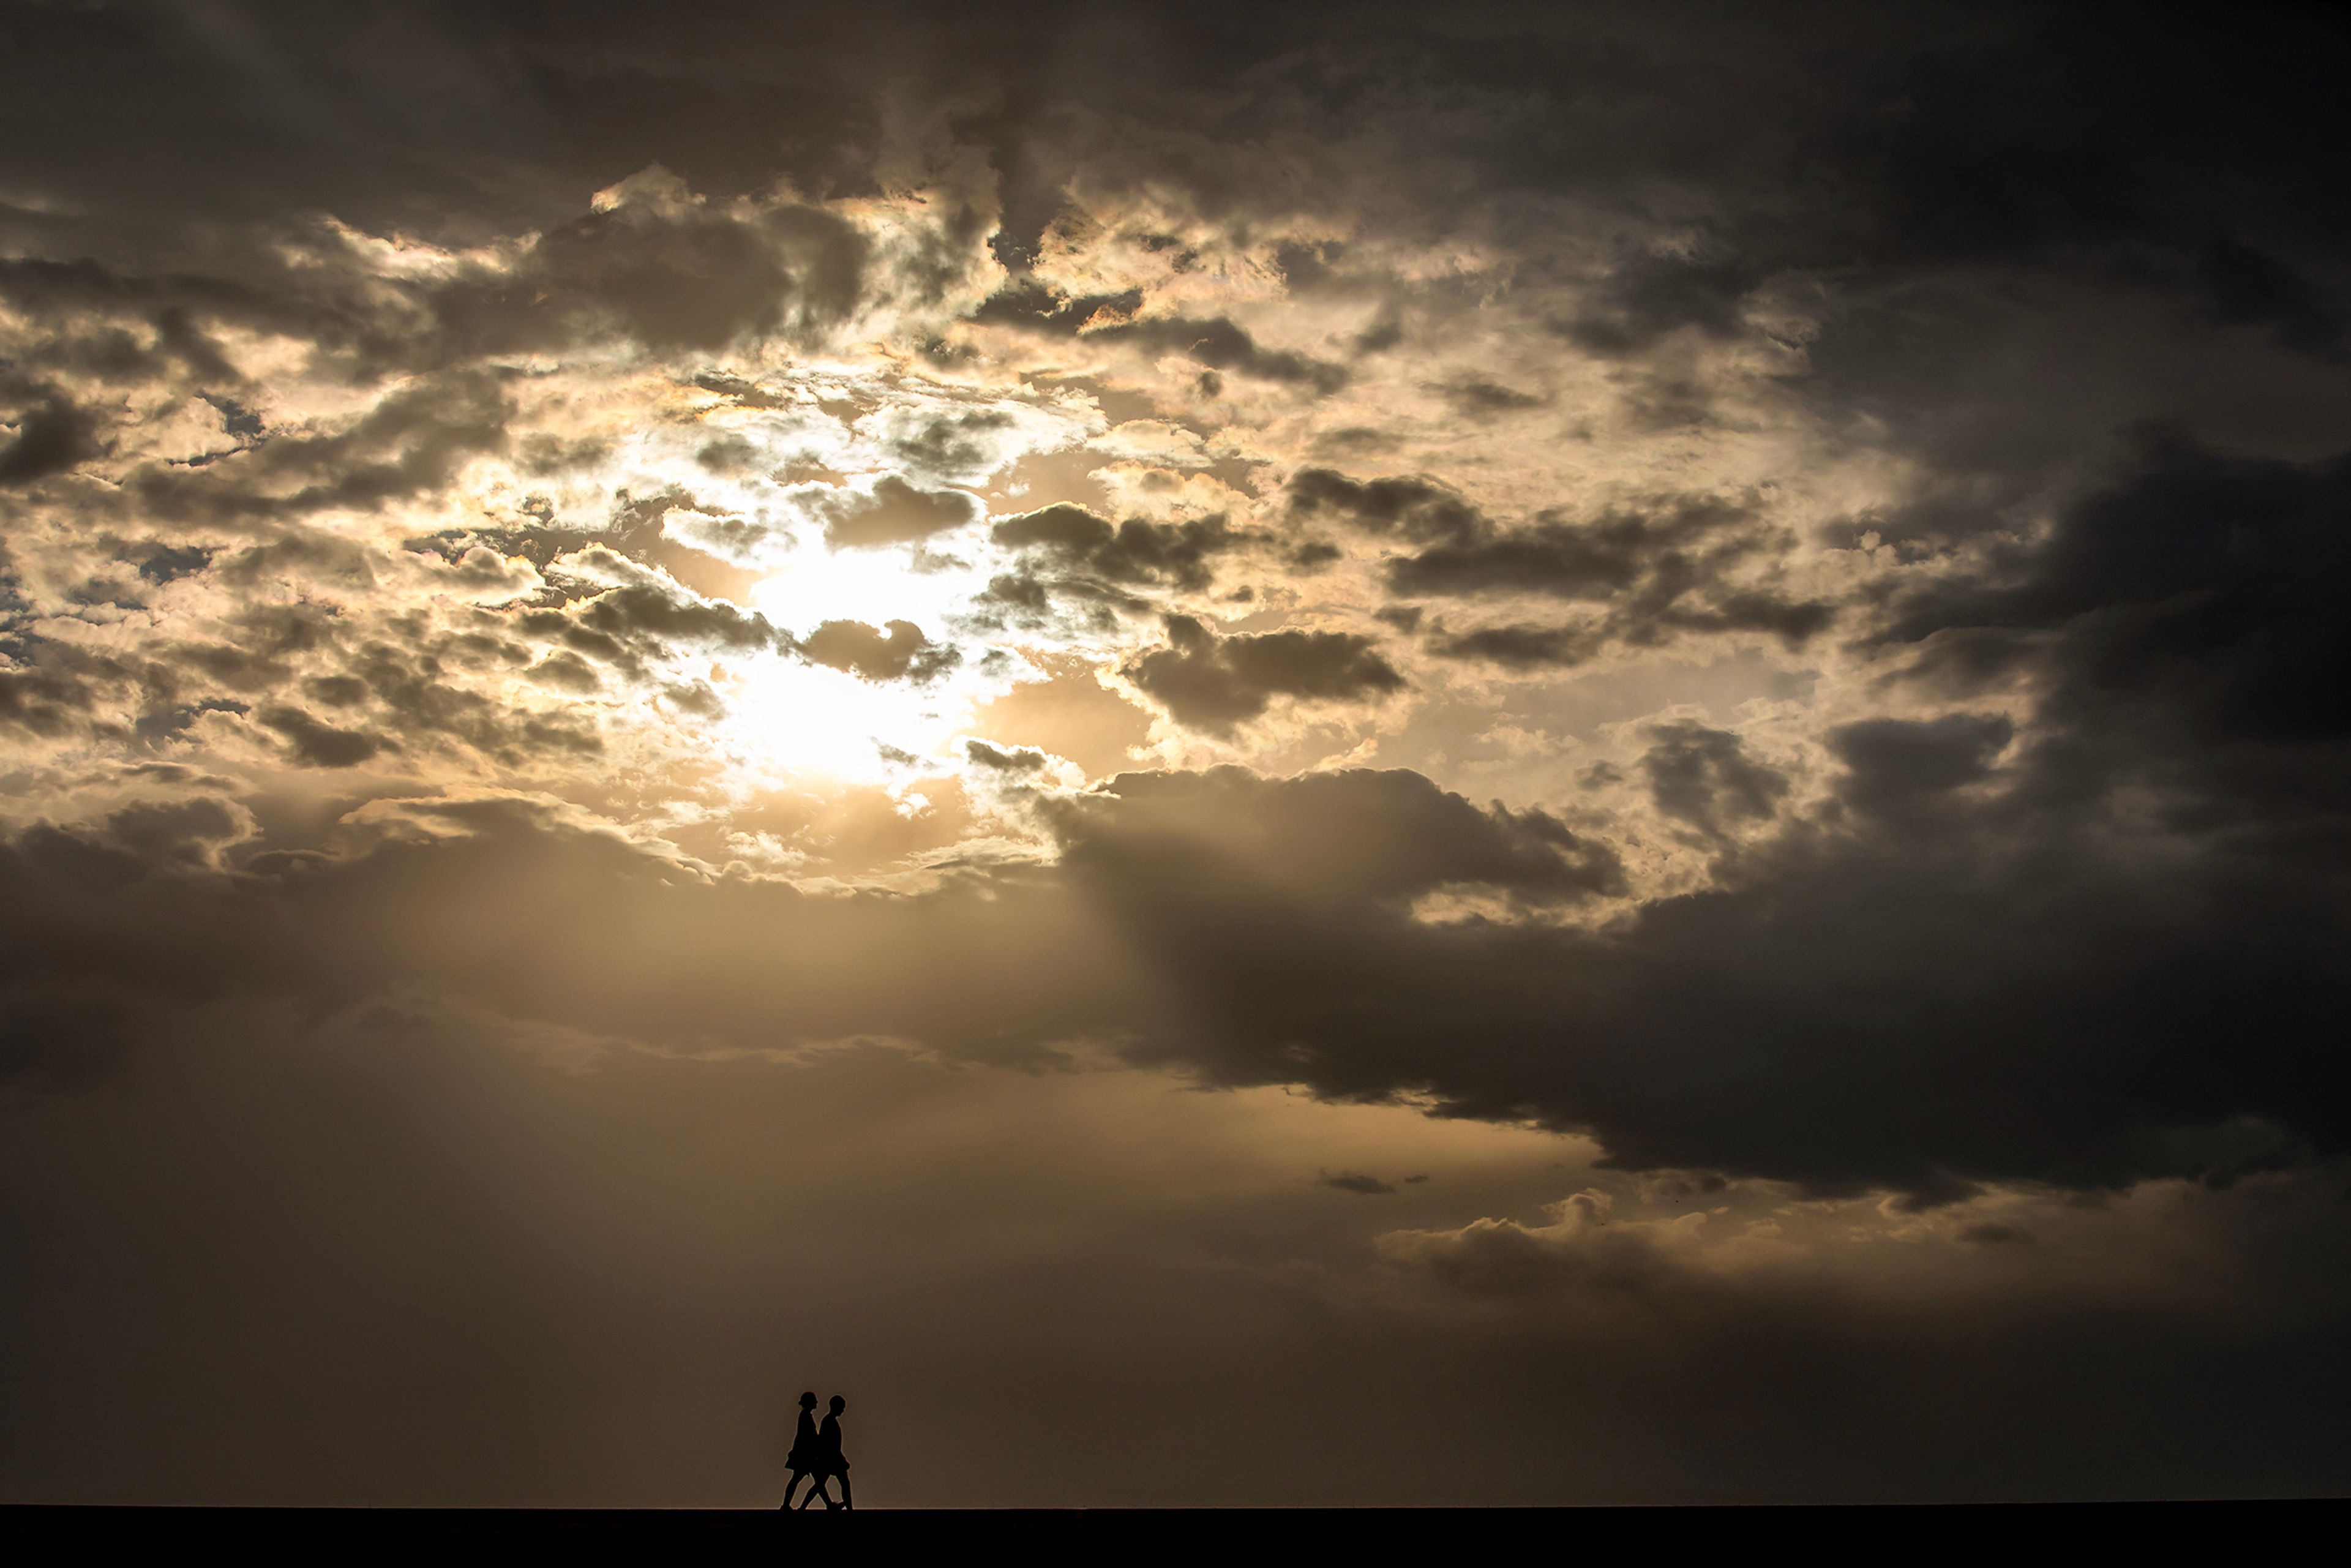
585	1536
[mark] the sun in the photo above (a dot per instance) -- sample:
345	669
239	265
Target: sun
789	716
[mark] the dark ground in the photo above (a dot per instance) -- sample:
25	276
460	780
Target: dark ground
1135	1534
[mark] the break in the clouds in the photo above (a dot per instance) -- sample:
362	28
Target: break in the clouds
690	663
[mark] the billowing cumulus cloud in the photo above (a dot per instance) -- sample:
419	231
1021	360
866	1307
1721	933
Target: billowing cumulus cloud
894	513
898	650
1134	551
1215	683
676	663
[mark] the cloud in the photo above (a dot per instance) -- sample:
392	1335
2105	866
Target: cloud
1340	842
1895	765
657	270
892	513
900	652
1214	341
51	437
1997	949
1134	551
1475	397
1647	296
1682	565
317	745
1521	646
1215	684
647	614
412	441
2185	598
1704	777
1362	1185
1421	510
1552	557
995	760
1220	345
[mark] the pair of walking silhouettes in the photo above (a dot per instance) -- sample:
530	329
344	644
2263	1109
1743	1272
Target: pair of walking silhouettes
816	1452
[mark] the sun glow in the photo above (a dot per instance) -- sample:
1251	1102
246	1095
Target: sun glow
792	716
875	586
798	719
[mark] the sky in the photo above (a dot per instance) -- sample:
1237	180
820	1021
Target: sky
1233	755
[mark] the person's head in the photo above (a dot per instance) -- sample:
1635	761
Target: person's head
839	1404
807	1401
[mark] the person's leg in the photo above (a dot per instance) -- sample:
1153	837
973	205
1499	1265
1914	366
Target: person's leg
792	1486
843	1479
816	1489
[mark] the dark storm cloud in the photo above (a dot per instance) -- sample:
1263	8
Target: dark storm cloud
1974	924
1215	684
1031	305
414	686
2244	286
50	689
2188	616
670	283
654	268
1220	345
953	447
500	886
1475	397
1520	647
997	760
1135	551
119	903
1894	764
1077	570
317	745
1417	509
1660	571
2028	134
900	652
1839	1020
1331	841
50	437
648	615
635	529
1215	343
183	835
567	671
1644	297
2114	149
1704	777
1551	556
410	442
894	513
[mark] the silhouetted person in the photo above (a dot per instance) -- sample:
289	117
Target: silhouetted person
808	1451
828	1444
